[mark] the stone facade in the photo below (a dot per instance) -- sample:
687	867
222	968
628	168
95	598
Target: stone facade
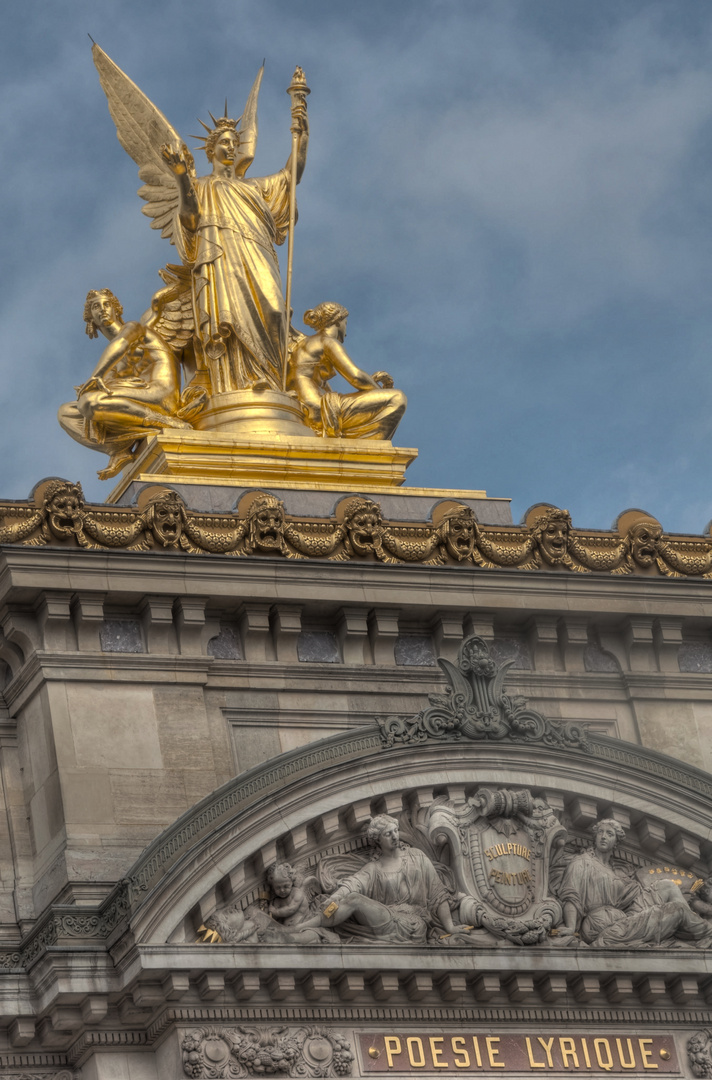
174	726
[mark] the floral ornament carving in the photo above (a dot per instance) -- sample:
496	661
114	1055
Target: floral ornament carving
357	532
699	1053
219	1052
63	1074
475	706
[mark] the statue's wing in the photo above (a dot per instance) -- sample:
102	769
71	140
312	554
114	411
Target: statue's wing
248	128
333	869
142	130
171	311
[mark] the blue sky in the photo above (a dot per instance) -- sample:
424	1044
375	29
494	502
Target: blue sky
512	197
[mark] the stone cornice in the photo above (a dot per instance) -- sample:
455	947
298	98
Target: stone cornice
28	572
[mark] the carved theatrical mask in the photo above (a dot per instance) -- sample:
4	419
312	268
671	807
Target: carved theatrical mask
266	525
364	526
165	518
644	538
460	534
552	535
64	506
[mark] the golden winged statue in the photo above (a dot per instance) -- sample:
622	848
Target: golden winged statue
223	225
223	316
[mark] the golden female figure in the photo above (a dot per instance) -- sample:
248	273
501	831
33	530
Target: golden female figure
372	411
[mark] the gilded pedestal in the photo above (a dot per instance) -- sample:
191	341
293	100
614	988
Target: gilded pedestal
253	459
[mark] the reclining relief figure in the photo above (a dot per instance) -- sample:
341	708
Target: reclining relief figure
612	910
397	896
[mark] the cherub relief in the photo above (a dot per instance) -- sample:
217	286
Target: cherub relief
290	902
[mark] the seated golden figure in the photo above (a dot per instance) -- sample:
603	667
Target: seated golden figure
373	411
134	389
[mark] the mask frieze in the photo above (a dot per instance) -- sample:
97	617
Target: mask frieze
265	528
550	533
457	534
314	539
358	531
364	530
642	545
64	511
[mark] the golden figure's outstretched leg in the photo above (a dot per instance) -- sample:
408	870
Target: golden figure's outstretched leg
117	460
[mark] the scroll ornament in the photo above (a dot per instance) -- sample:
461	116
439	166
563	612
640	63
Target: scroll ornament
475	706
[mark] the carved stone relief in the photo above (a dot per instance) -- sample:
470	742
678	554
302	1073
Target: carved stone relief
500	843
476	706
219	1052
358	531
699	1053
608	907
499	866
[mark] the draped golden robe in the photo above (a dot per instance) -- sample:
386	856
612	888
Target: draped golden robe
241	320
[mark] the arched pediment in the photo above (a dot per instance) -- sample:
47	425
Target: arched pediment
309	807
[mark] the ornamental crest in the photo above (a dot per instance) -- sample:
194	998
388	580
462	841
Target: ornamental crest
500	843
475	706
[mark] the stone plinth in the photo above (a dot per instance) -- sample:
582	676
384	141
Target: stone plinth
253	459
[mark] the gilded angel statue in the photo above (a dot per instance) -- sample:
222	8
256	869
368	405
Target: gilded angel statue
223	225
